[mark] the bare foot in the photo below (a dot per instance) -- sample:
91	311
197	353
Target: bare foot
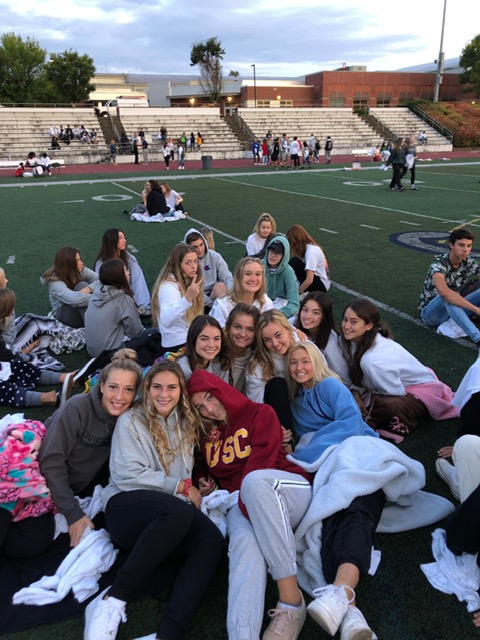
49	397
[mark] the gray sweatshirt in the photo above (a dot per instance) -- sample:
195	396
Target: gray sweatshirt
110	317
75	448
134	460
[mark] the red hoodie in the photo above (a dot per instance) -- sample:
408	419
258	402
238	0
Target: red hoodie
250	440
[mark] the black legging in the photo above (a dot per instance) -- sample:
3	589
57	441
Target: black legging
155	526
463	526
298	265
348	534
396	181
470	417
277	396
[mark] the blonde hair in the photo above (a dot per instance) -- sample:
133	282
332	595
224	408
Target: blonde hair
172	272
186	418
265	217
262	356
321	370
3	279
237	291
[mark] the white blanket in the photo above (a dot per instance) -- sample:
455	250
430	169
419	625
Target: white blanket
360	466
171	217
459	575
80	571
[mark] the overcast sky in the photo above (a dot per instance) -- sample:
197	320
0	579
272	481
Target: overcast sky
282	37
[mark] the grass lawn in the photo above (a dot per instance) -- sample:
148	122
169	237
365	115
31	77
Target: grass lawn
378	244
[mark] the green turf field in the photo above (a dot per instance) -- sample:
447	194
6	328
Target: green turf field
378	244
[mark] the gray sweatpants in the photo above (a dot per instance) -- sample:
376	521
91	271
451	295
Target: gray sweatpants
276	502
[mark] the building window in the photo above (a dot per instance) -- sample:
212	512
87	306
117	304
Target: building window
263	103
286	103
337	99
384	99
406	96
360	101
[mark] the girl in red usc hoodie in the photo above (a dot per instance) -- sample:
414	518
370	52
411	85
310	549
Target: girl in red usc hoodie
242	449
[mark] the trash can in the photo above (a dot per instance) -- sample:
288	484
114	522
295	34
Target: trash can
207	162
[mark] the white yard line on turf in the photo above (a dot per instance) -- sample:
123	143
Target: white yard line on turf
349	202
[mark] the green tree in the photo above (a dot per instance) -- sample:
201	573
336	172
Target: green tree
208	55
70	74
21	66
470	61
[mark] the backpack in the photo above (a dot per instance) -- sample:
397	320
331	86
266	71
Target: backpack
144	144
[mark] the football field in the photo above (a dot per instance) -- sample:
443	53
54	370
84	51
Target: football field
378	243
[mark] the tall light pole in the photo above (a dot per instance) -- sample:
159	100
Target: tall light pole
441	58
255	84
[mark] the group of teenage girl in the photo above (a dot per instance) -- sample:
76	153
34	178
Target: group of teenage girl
240	387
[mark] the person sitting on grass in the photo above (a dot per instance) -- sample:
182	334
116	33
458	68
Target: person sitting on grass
74	455
217	276
357	478
249	286
264	230
242	451
307	260
114	245
445	290
392	388
281	280
177	297
152	510
112	319
70	286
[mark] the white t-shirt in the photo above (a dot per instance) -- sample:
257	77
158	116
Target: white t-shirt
254	244
315	261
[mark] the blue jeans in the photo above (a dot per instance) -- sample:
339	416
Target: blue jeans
437	311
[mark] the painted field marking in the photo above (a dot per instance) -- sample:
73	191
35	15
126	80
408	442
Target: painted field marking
11	259
368	226
349	202
132	248
327	230
68	201
112	197
416	224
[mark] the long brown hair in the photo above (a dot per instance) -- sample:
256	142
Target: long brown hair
186	419
172	272
109	248
64	268
326	326
112	273
369	313
299	238
198	325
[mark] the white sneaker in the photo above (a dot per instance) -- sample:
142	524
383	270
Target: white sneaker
448	474
330	606
103	617
354	626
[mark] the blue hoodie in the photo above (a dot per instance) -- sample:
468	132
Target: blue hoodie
325	415
282	282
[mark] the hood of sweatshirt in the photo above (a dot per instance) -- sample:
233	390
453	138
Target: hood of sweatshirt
104	294
236	404
192	230
286	255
